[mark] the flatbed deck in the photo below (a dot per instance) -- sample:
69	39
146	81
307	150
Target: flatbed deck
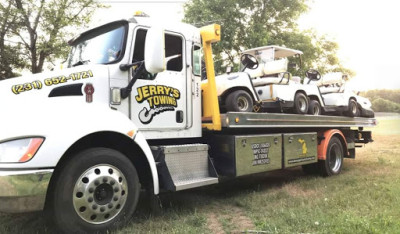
274	120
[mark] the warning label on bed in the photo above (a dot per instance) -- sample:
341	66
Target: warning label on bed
260	153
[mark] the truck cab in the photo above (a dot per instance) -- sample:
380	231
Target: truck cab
162	105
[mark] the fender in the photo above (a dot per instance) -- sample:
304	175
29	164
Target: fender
237	80
142	143
323	145
62	122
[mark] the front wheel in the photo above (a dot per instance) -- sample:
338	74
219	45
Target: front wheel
96	190
353	109
239	101
300	103
333	163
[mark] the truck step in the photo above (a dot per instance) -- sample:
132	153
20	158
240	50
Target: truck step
183	167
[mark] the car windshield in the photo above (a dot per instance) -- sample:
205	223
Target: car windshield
98	47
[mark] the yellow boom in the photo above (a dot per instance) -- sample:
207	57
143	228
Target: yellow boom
209	35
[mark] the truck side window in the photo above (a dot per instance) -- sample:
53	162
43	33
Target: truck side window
138	53
196	60
173	47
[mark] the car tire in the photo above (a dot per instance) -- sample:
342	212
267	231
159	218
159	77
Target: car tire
300	103
314	108
96	190
353	110
239	101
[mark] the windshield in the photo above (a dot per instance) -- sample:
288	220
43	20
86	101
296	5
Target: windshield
98	48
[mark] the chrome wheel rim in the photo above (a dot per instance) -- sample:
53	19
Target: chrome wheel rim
302	105
100	194
242	103
354	109
316	110
335	158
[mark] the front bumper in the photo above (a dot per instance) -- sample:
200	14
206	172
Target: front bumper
23	191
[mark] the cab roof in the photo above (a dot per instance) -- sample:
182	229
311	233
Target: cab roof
190	32
279	51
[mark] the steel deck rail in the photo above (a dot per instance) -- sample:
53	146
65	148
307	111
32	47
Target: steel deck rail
273	120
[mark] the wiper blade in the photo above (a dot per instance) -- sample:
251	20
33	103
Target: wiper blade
81	62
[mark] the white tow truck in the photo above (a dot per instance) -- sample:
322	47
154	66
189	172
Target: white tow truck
130	113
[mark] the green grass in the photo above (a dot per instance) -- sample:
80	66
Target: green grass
363	199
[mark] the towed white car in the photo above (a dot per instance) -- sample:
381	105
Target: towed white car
264	84
337	97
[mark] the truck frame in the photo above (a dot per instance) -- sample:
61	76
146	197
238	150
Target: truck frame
130	113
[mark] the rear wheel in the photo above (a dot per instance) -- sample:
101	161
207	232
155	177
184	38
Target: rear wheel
95	190
334	158
314	108
353	109
239	101
300	103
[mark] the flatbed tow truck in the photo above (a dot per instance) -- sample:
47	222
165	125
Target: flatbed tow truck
130	113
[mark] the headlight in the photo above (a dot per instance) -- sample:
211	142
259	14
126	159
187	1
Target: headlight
21	150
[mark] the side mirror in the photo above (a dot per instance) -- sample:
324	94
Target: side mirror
154	50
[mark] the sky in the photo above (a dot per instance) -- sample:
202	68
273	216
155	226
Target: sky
367	32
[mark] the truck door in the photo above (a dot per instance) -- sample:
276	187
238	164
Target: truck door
158	101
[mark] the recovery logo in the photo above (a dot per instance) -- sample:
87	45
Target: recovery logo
160	99
303	147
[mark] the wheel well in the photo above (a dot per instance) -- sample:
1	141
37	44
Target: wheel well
231	90
326	138
343	141
300	91
314	97
111	140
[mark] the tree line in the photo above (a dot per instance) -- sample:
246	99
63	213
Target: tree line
33	32
383	100
253	23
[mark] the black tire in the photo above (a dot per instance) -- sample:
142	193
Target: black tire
300	103
314	108
353	110
239	101
310	169
96	190
334	158
359	113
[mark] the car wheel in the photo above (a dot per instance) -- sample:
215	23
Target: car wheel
353	110
239	101
300	103
314	108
